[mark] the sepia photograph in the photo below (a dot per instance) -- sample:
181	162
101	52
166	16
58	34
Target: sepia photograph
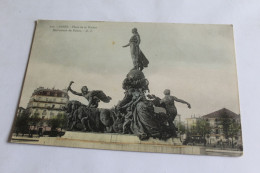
146	87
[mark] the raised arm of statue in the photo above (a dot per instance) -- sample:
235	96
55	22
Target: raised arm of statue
126	45
74	92
181	101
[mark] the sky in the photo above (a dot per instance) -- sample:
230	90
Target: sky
195	61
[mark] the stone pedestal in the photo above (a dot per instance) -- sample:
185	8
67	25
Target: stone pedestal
119	142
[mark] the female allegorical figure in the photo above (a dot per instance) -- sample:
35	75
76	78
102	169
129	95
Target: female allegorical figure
139	60
170	107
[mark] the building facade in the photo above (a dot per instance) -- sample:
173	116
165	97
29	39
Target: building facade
47	103
19	111
221	126
217	119
191	122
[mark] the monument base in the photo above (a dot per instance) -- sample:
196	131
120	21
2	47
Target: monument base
114	141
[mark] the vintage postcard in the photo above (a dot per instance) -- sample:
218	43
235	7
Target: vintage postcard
148	87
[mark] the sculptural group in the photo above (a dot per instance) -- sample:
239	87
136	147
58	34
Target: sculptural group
134	114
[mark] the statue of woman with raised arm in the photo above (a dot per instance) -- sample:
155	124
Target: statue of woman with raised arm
139	59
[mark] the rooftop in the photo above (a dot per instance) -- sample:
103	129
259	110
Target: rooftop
220	113
50	92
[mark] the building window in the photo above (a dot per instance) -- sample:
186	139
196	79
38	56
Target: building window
54	99
44	112
39	98
51	115
47	99
61	100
